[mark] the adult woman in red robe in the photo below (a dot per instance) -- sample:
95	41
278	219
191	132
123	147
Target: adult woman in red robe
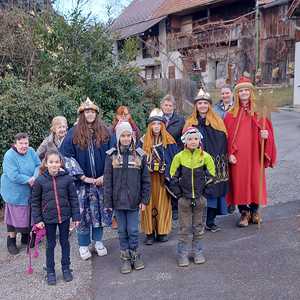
245	135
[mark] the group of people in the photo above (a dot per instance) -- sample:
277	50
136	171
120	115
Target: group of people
193	170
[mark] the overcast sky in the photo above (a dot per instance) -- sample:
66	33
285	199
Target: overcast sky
98	8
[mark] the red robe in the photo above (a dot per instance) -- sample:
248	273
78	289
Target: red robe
245	142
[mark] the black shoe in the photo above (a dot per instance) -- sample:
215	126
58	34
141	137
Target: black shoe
213	228
162	238
149	240
175	215
67	275
24	238
51	278
12	246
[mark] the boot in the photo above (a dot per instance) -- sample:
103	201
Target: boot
12	246
136	260
125	267
149	240
182	255
245	219
198	253
24	238
256	218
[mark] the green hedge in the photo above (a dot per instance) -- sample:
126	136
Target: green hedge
30	109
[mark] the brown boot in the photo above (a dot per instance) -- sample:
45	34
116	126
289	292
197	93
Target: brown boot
256	218
245	219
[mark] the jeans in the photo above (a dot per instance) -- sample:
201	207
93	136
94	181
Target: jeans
64	243
84	237
253	208
128	228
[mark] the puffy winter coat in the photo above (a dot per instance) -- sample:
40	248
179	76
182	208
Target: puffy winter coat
54	199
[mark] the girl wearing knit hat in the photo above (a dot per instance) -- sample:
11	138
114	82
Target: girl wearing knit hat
214	142
160	148
126	189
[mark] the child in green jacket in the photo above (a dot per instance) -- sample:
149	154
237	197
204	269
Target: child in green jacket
192	170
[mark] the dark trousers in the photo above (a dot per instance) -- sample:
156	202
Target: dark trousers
128	228
64	243
211	216
253	208
190	219
174	203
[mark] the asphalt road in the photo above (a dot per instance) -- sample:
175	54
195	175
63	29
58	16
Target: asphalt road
241	264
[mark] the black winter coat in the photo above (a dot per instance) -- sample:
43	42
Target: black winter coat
175	127
54	199
126	180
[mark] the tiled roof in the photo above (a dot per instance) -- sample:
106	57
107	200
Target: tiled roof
138	11
173	6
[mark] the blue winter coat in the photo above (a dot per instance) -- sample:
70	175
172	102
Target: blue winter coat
69	149
17	170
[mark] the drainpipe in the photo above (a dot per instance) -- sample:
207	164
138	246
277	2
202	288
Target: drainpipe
257	29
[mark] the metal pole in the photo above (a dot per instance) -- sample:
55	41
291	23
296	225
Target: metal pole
257	36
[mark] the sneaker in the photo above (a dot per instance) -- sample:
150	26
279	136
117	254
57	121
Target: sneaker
149	239
245	219
67	275
100	249
199	258
136	260
125	266
51	278
84	252
213	228
183	260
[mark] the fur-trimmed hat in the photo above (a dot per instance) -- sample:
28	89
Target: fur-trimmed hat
189	132
244	83
202	95
88	104
156	115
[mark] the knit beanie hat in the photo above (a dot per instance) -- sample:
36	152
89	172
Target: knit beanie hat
122	127
190	131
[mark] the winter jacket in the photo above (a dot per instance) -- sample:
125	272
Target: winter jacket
175	126
126	179
190	173
17	170
83	157
54	199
